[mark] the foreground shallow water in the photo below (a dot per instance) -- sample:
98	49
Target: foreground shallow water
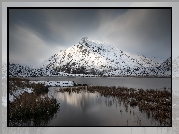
91	109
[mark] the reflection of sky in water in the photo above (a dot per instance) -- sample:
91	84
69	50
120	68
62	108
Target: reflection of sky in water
90	109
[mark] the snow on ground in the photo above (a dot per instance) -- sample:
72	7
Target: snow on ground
55	83
19	92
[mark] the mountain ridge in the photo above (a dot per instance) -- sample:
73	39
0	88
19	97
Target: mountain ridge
97	58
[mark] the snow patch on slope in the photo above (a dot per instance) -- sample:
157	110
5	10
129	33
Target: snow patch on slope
91	57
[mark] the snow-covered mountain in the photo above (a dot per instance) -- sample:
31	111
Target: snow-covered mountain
97	58
175	67
94	57
26	71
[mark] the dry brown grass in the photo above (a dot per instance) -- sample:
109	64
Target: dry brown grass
155	103
24	83
30	106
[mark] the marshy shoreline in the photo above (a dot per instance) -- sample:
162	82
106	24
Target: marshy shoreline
28	104
155	103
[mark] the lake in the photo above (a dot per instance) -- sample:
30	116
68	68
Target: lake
92	109
130	82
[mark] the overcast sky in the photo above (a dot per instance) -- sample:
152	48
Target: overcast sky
37	34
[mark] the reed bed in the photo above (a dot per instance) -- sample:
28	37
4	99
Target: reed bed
15	83
30	107
155	103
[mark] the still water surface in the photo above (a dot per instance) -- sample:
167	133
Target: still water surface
130	82
92	109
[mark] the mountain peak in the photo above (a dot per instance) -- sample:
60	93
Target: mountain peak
85	40
89	56
97	58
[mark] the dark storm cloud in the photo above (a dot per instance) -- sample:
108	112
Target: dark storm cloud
33	19
140	31
36	34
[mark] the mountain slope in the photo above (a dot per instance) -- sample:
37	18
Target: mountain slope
89	56
93	57
25	71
